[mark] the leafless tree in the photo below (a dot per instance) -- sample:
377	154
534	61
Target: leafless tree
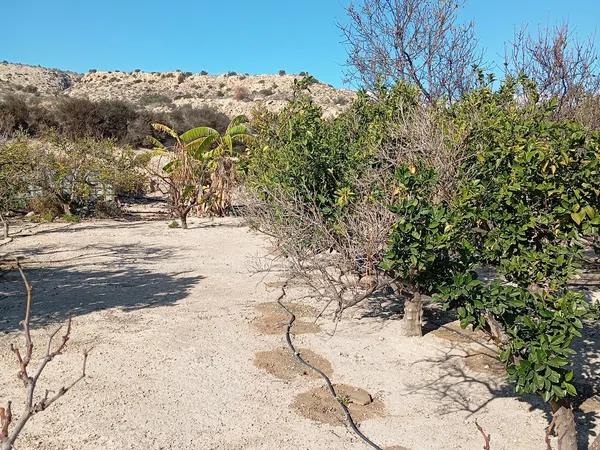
9	432
338	267
563	67
420	41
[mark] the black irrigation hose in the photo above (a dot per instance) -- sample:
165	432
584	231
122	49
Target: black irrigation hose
325	377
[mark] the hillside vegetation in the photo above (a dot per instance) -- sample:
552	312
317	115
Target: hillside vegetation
232	93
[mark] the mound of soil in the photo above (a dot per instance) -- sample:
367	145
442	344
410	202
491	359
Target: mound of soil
274	319
590	405
283	365
318	405
485	363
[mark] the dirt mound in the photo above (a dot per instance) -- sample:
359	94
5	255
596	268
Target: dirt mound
318	405
283	365
274	319
485	363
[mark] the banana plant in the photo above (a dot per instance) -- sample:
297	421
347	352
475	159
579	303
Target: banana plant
200	168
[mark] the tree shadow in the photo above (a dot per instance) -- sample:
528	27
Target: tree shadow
587	367
83	284
452	388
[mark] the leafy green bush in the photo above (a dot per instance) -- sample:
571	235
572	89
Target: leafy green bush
297	153
61	176
15	169
532	191
428	245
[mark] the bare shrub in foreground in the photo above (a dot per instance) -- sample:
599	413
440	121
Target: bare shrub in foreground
9	428
338	267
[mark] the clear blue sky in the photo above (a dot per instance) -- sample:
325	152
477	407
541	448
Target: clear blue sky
255	36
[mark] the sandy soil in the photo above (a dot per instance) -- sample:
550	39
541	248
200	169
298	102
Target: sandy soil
172	317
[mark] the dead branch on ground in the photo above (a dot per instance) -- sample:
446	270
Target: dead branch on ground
486	437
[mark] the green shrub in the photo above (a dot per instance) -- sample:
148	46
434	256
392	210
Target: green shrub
155	100
531	190
108	119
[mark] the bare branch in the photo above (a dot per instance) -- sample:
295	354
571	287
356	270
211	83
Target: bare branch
8	436
486	437
419	41
563	67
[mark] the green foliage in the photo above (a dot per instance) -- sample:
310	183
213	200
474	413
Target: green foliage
540	328
428	245
15	172
296	154
532	188
317	161
200	165
60	176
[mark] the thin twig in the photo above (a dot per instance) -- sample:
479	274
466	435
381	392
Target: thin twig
486	437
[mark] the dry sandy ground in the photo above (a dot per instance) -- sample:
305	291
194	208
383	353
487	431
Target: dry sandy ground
172	319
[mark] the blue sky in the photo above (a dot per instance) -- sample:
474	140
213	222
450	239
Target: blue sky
255	36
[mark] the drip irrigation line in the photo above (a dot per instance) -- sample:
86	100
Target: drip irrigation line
297	355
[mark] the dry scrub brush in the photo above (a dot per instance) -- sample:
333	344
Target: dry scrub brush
338	267
10	429
333	234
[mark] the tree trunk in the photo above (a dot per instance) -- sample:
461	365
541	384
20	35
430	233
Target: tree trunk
66	208
4	226
564	425
183	218
413	313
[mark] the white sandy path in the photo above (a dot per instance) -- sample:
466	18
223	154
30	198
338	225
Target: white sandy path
173	349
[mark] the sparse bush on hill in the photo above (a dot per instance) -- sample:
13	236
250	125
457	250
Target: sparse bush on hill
156	100
186	117
241	93
266	92
106	119
30	89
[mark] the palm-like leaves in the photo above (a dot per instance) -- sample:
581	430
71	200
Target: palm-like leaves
207	157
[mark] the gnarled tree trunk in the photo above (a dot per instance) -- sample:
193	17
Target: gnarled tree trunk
183	219
563	421
4	226
413	314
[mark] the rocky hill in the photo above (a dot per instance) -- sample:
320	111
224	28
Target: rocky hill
230	93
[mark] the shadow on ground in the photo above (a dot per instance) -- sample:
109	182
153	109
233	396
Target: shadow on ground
451	388
102	277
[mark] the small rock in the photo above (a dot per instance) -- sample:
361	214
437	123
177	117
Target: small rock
360	397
